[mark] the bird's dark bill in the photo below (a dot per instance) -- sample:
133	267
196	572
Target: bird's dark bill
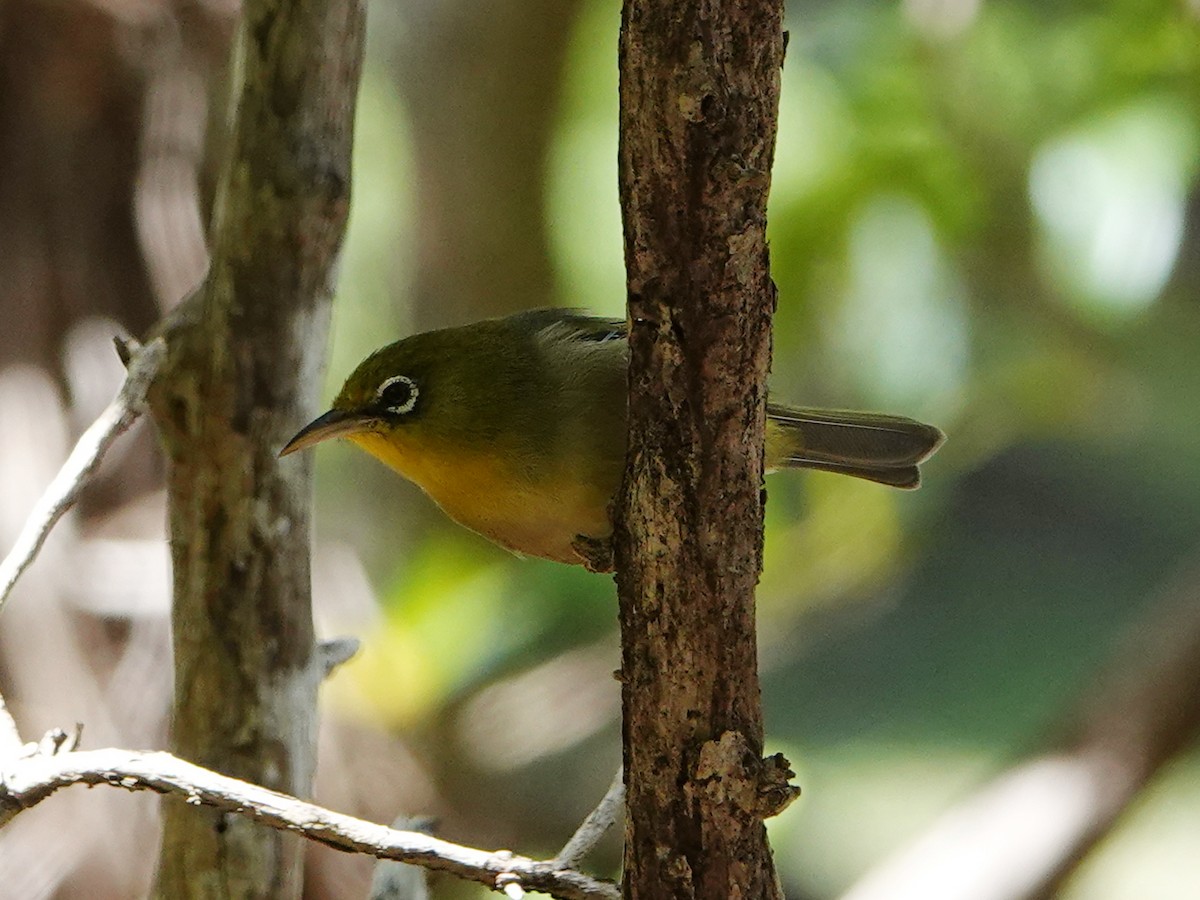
335	423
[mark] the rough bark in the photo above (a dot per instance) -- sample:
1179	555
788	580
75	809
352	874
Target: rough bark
699	101
242	372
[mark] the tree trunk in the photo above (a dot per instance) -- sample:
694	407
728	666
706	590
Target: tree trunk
699	101
242	374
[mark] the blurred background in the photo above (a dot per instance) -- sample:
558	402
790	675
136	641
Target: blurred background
984	215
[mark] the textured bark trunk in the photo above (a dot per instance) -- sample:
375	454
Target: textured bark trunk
699	101
242	372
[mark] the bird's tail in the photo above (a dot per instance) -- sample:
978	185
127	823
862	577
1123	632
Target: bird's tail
885	449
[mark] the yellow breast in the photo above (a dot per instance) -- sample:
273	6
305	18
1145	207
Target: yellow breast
538	513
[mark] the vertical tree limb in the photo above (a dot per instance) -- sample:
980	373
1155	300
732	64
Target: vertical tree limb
699	102
241	371
85	458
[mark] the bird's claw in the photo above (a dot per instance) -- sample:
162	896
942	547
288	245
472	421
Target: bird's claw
595	553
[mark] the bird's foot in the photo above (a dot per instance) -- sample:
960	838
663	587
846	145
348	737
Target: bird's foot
596	554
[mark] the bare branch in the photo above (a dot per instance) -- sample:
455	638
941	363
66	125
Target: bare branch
599	820
26	782
91	447
402	881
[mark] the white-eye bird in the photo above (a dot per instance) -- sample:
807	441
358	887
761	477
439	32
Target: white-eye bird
516	427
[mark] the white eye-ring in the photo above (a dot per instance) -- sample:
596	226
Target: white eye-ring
398	394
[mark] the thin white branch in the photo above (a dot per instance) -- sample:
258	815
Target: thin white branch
82	462
26	782
393	880
599	820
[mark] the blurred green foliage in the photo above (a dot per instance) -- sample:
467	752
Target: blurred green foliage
984	215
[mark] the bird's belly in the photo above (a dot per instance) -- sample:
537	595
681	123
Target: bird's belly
536	520
539	515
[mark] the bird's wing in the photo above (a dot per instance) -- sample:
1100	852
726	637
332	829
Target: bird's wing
572	325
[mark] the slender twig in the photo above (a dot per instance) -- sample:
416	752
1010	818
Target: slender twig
402	881
599	820
26	782
91	447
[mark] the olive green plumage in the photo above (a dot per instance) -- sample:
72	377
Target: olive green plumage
516	427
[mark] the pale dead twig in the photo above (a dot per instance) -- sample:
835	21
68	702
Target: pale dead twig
598	821
91	447
25	782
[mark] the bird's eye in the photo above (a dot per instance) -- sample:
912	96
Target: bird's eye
398	394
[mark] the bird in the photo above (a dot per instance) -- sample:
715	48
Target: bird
516	428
